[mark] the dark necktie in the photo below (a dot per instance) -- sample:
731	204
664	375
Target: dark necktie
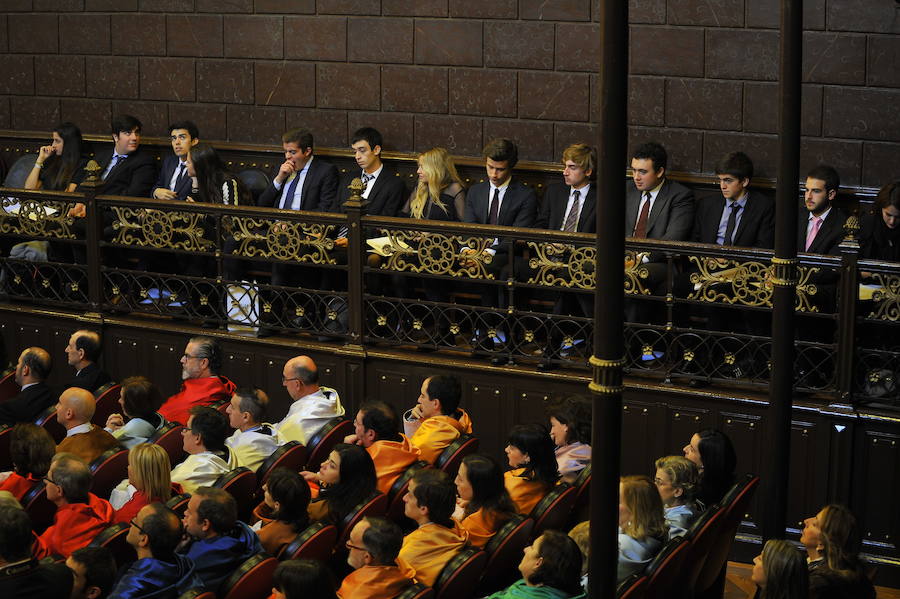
180	178
732	222
365	178
494	213
287	200
113	163
572	217
640	228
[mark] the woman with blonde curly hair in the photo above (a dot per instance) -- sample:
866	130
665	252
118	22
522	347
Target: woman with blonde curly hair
149	474
439	194
642	524
676	480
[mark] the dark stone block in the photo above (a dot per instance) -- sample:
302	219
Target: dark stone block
862	113
460	135
578	47
478	9
347	7
671	51
154	116
111	77
766	14
285	84
355	86
554	96
34	114
398	130
685	148
883	58
703	104
59	75
296	7
58	5
876	17
762	150
834	58
253	37
210	118
652	12
414	89
17	75
566	134
17	6
845	156
738	54
534	138
761	108
879	163
167	79
91	116
449	43
714	13
646	101
315	38
36	34
223	6
166	6
226	81
329	127
110	5
144	36
4	113
380	40
4	38
194	35
556	10
519	45
467	92
84	34
414	8
255	124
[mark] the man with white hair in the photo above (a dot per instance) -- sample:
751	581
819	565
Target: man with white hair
254	440
86	441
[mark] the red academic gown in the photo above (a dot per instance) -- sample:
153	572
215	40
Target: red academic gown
76	524
18	485
196	392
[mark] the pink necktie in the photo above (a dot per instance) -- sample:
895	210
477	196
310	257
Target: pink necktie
817	223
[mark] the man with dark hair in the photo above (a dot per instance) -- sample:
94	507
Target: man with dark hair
821	226
204	442
254	440
35	396
217	542
93	570
377	428
437	420
202	385
383	187
21	575
80	515
126	170
84	440
158	571
82	354
173	182
374	545
314	405
430	502
302	183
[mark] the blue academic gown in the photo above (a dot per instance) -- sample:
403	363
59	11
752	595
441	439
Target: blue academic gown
150	578
217	558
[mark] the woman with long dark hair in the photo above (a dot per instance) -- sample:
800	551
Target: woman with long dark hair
879	229
59	166
345	479
531	456
711	450
213	184
832	543
286	502
780	572
570	429
484	504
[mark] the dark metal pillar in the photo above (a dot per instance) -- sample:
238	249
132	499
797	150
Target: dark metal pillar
93	234
355	207
785	266
608	359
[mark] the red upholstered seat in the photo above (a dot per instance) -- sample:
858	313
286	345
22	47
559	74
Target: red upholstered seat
417	591
178	504
632	587
701	536
321	444
505	552
113	538
240	484
666	571
47	420
252	580
316	542
169	438
39	508
461	574
107	402
292	455
5	459
553	511
376	505
108	470
453	454
8	386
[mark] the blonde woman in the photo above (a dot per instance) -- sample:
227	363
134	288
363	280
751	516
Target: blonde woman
439	194
676	480
149	473
642	524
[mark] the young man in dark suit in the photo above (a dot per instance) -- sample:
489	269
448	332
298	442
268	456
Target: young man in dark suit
173	182
35	396
126	169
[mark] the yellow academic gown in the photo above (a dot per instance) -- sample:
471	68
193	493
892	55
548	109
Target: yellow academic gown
377	582
436	433
526	494
428	549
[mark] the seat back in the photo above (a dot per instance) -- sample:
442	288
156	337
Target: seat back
399	488
255	180
461	574
108	470
376	505
178	504
197	594
39	508
221	405
169	438
113	538
252	579
321	444
665	572
107	402
554	509
416	591
240	484
8	386
582	484
701	535
18	173
5	458
453	454
47	420
316	542
292	455
505	552
632	587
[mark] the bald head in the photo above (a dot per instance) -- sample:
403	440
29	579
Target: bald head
33	366
300	377
76	406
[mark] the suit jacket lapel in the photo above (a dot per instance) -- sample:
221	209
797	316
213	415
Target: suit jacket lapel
307	183
661	199
587	211
632	202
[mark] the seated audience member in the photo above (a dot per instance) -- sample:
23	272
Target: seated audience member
550	569
377	429
676	481
286	500
314	405
35	396
484	505
302	181
158	571
377	574
384	189
254	440
581	534
302	579
437	537
216	541
174	183
149	481
93	571
140	399
80	515
59	166
642	524
127	170
570	429
345	479
84	440
22	576
204	442
202	384
529	451
437	420
832	543
779	571
439	194
821	225
879	229
30	449
711	450
82	354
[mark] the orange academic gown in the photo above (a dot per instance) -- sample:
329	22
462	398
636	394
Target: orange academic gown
76	524
377	582
436	433
428	549
481	527
526	494
391	459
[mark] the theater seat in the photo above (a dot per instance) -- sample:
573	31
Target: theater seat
108	470
552	512
254	179
5	458
416	591
19	171
197	594
169	438
39	508
113	538
8	386
240	484
292	455
453	454
252	580
461	574
316	542
632	587
321	444
701	536
666	571
107	400
47	420
504	552
178	504
582	484
376	505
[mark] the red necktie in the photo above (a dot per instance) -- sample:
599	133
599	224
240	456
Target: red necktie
640	229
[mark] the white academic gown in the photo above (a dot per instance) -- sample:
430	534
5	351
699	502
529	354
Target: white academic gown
199	470
250	448
309	414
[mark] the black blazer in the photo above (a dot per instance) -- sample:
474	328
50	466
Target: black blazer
519	207
757	226
133	176
320	188
27	405
830	234
671	217
385	199
169	165
553	209
91	378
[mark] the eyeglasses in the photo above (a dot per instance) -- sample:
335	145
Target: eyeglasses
284	379
659	482
189	356
137	526
352	546
47	479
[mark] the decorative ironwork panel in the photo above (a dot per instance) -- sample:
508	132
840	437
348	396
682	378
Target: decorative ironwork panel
157	229
885	298
434	253
562	265
280	240
36	218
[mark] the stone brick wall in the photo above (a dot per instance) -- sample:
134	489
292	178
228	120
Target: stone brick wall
459	72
